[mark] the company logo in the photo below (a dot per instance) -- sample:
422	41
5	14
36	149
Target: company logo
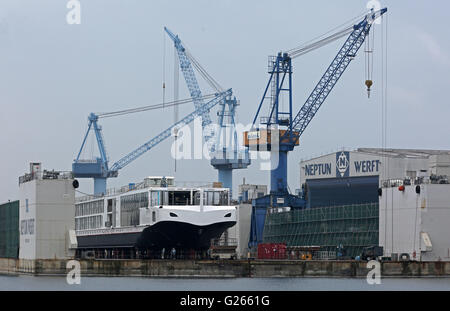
27	226
369	166
318	169
342	163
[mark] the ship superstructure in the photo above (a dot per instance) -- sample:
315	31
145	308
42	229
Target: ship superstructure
152	216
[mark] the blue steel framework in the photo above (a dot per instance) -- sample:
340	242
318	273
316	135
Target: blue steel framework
280	67
222	159
352	226
98	169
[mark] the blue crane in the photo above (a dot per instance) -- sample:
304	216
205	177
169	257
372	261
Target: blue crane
98	168
223	159
279	132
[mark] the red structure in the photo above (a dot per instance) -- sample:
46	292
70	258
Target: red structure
272	251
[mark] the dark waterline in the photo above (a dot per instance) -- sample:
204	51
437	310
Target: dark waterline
47	283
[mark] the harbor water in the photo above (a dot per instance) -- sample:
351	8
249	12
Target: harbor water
47	283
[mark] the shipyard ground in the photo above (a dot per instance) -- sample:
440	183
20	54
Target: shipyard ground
224	268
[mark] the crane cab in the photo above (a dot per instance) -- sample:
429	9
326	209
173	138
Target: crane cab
265	137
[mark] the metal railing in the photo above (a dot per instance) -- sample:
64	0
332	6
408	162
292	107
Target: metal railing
432	179
145	185
224	242
324	255
45	175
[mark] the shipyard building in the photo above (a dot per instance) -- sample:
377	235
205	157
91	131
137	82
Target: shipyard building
46	214
344	211
40	225
353	177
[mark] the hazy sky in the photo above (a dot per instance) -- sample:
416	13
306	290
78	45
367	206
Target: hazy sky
52	75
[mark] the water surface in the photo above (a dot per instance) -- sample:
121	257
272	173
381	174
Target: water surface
52	283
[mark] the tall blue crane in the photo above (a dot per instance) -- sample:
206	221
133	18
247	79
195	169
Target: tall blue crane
98	168
223	159
279	132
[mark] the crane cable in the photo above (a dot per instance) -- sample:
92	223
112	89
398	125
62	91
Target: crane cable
385	91
320	43
210	80
317	42
164	69
176	84
346	24
368	60
151	107
384	32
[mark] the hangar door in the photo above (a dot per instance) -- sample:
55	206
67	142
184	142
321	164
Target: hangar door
341	191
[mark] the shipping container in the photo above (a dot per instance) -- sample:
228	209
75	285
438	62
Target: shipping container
272	251
9	230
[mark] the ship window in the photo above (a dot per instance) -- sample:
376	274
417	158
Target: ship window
110	204
224	197
197	198
155	198
164	198
205	198
89	208
210	198
179	197
130	205
216	198
90	222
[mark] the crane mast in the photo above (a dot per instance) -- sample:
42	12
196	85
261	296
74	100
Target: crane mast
281	128
279	132
193	86
224	159
98	168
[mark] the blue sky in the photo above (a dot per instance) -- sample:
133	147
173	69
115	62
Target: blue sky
54	74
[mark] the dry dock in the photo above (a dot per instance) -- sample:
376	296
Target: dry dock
228	268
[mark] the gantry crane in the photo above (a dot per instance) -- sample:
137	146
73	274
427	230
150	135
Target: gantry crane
280	131
98	168
224	159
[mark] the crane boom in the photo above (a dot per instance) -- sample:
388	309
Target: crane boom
280	70
268	135
98	168
166	133
223	158
193	86
333	72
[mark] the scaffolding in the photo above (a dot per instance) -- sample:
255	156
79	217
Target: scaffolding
9	230
351	226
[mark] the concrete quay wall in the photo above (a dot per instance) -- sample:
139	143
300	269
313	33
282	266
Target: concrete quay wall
223	268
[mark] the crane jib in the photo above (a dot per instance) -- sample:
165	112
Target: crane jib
167	133
333	73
